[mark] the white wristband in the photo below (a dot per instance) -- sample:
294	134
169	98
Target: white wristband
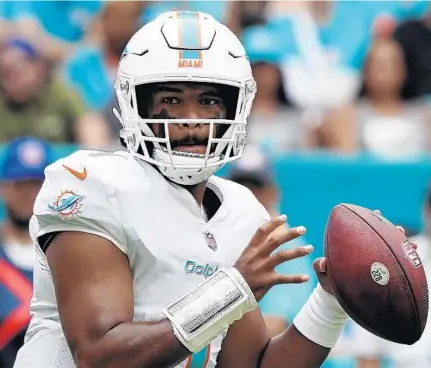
321	319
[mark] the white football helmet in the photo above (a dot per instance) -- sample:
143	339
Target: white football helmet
184	46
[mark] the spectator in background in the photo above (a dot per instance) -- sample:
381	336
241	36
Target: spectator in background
381	123
414	36
34	103
273	125
244	14
321	64
55	27
91	70
22	174
254	172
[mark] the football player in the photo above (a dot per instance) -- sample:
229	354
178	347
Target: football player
144	258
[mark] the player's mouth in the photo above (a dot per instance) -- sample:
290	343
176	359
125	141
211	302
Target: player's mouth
192	149
198	146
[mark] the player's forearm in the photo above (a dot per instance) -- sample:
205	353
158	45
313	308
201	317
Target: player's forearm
292	350
133	344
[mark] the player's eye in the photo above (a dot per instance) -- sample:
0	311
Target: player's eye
209	101
170	100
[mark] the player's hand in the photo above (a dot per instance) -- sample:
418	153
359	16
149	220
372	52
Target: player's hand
256	263
319	265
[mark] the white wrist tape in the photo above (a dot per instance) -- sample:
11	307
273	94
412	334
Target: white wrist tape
209	309
321	319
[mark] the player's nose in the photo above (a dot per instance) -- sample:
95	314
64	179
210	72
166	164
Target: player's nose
191	114
191	124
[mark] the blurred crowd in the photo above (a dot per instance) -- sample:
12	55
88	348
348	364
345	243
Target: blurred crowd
342	76
347	77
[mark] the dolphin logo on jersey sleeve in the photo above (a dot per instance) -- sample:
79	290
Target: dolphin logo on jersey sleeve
68	204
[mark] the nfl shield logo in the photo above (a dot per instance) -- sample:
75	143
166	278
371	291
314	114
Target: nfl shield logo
210	240
411	254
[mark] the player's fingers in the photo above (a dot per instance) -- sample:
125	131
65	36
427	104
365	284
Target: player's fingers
414	245
289	254
267	228
280	237
400	228
319	265
278	279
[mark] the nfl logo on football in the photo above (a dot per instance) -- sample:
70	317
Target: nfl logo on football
411	254
210	240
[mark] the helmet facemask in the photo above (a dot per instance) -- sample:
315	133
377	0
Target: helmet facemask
226	141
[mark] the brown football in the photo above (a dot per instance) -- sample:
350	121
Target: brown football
376	274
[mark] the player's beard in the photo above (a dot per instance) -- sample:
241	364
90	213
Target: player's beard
189	140
21	223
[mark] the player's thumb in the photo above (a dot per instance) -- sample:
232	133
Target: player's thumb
319	265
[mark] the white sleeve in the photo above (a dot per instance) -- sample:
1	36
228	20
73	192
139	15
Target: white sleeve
69	202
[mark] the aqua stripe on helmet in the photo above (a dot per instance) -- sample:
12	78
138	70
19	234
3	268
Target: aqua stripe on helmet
189	34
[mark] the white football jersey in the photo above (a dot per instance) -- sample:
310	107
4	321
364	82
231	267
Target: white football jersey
158	225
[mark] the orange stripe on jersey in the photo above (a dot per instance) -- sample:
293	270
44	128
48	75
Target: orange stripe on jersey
207	358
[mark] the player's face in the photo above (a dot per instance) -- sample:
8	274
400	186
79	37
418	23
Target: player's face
187	101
